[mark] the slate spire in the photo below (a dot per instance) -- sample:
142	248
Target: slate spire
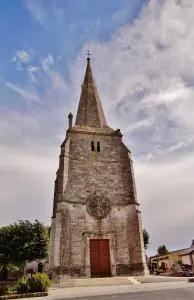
90	112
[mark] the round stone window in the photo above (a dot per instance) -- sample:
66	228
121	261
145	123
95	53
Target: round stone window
98	206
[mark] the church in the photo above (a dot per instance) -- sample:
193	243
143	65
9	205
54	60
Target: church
96	223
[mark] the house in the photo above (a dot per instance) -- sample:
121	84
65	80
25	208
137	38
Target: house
38	266
165	262
31	268
187	256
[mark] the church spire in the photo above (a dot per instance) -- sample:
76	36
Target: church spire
90	112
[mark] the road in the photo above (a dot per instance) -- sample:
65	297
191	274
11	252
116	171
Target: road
179	294
147	291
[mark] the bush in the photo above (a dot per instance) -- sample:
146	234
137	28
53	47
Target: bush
12	289
39	282
4	289
23	285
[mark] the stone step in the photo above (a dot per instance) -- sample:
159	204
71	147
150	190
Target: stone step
157	279
86	282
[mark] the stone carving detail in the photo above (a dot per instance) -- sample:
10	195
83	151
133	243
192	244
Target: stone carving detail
98	206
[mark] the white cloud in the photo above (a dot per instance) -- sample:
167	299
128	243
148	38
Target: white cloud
32	71
27	165
177	147
28	95
47	62
158	153
167	96
165	192
29	173
145	79
37	10
58	81
138	125
33	68
22	56
148	61
23	60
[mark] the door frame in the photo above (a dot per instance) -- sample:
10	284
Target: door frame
94	236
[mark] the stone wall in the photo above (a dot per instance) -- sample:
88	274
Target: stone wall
108	170
81	173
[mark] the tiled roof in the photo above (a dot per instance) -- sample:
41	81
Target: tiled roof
187	251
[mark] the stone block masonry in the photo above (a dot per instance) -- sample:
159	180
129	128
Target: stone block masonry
95	175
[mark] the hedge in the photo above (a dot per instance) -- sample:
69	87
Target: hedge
27	295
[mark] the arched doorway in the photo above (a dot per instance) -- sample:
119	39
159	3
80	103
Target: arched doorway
40	267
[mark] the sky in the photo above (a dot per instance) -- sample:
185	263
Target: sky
142	59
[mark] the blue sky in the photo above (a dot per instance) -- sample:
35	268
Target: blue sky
142	58
61	27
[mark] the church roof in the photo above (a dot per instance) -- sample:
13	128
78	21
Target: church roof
90	112
188	251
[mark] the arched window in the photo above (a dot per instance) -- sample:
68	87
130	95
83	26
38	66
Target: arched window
92	146
98	146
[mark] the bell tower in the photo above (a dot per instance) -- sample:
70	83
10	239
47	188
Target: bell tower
96	224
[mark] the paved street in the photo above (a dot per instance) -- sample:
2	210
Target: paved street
179	294
147	291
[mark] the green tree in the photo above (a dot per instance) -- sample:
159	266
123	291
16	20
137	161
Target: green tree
23	242
146	238
162	250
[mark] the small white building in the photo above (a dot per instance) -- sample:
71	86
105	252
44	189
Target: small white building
38	266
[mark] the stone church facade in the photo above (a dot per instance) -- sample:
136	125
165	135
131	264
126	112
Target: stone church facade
96	224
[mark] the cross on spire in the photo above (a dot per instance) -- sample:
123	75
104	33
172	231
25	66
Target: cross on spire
88	54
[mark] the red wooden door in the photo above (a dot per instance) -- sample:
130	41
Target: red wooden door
94	258
100	258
